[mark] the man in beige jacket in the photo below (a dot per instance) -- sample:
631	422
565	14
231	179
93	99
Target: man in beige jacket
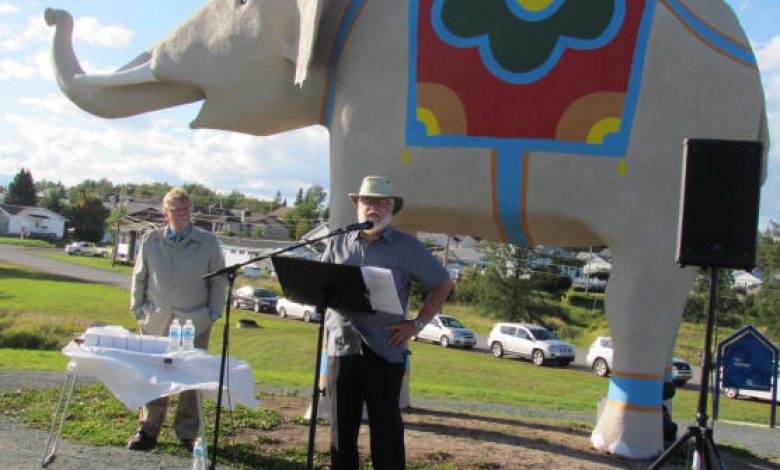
167	284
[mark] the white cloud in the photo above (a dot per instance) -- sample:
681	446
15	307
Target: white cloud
53	104
42	61
68	145
14	37
769	55
7	8
11	69
89	30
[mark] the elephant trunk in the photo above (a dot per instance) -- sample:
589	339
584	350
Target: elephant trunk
131	90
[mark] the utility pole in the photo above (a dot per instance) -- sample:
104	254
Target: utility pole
587	271
118	204
446	250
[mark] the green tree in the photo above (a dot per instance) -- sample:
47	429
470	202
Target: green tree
234	200
299	197
199	194
767	300
308	212
277	202
103	188
52	198
87	216
469	288
731	305
507	290
549	279
21	191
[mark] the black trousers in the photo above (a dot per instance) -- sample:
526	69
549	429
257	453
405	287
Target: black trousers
370	378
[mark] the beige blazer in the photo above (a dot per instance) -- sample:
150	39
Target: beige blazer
167	281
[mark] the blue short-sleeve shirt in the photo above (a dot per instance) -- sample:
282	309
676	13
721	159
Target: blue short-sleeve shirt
408	260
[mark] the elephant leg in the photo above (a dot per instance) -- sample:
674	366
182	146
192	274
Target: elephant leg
644	303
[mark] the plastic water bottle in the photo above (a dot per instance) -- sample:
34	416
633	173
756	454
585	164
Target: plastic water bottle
174	335
188	336
198	459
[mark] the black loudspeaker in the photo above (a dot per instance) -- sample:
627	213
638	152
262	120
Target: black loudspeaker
719	203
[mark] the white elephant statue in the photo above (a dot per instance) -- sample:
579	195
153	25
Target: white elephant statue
548	122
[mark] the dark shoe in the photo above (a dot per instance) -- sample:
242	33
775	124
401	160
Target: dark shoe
188	444
142	441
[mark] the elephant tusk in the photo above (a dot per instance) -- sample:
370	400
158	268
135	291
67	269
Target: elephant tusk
135	76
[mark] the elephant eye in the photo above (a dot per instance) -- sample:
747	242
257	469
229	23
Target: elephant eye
243	2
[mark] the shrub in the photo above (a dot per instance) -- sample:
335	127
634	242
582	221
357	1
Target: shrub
25	338
30	331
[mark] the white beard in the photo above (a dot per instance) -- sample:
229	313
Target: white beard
383	223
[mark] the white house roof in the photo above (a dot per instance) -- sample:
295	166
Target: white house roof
31	211
745	279
594	264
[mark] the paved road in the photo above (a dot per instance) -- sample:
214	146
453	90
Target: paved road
29	257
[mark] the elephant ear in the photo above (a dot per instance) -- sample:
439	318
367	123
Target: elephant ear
309	12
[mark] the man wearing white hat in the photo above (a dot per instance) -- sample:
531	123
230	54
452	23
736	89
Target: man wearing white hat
367	352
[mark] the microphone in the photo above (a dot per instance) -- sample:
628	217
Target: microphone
367	225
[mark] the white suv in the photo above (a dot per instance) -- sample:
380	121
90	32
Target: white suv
528	341
600	360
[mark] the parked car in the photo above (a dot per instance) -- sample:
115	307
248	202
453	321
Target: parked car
258	299
758	394
447	331
85	248
591	284
288	308
529	341
600	360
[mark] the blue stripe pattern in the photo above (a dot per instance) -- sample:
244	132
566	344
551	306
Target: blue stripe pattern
338	46
635	391
510	194
716	38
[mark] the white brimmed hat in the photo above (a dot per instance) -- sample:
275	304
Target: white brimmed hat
378	186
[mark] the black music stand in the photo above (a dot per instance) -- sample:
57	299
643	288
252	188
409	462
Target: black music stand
324	285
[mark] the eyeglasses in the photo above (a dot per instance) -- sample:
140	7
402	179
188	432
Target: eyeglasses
376	201
178	210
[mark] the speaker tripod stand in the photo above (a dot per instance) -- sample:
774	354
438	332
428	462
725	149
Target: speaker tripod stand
705	453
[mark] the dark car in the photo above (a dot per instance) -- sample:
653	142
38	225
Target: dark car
258	299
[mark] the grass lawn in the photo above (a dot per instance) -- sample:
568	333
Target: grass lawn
29	292
282	352
25	242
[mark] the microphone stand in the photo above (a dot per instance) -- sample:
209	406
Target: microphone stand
231	272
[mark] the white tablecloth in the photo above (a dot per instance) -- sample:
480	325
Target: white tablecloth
137	372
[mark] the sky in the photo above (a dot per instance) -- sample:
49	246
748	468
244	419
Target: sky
42	131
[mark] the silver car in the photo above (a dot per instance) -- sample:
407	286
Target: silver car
447	331
287	308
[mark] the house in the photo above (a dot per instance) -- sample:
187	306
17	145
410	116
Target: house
745	280
237	250
36	222
595	264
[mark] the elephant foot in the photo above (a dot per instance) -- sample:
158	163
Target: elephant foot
631	423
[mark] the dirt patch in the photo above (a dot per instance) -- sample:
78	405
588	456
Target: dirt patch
435	438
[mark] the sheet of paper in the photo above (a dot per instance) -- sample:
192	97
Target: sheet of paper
381	287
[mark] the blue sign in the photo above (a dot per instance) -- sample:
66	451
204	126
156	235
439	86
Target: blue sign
748	360
748	363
